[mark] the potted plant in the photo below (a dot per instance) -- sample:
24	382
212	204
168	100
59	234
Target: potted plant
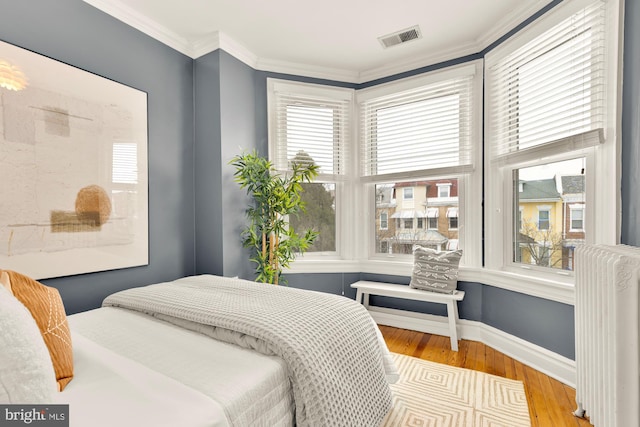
275	197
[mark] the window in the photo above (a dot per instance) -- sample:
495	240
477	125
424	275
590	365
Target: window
547	114
452	215
543	219
407	193
319	215
311	124
576	217
408	223
542	237
433	223
384	221
444	190
417	136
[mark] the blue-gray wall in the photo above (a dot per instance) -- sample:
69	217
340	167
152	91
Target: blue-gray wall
78	34
208	179
631	126
202	113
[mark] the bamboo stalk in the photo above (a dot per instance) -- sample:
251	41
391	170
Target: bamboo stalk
275	262
271	250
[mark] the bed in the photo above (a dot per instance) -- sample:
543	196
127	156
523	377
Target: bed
213	351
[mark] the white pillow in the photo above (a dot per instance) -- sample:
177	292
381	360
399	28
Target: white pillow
435	271
26	371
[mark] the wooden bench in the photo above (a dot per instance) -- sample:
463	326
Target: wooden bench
366	288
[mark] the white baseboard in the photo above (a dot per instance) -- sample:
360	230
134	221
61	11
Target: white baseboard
552	364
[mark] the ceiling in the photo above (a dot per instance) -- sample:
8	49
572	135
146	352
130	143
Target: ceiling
327	39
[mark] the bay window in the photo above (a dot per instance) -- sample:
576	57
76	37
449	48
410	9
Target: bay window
411	176
400	161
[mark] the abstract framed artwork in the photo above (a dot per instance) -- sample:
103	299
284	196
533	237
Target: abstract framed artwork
73	169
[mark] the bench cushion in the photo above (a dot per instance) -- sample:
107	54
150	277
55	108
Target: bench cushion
435	271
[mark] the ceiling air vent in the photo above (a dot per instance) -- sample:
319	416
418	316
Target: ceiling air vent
399	37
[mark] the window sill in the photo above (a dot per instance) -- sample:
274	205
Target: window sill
550	289
323	265
554	290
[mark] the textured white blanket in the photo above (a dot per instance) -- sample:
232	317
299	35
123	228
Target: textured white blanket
330	344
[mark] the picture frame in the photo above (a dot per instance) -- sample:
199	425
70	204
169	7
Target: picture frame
73	169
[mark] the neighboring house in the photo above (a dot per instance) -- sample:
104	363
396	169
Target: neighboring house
423	213
573	200
540	224
385	225
551	220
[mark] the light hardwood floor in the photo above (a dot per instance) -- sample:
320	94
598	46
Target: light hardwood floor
551	403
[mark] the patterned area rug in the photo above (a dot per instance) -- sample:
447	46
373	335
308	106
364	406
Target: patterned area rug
436	395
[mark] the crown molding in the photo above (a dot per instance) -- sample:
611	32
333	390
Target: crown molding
307	70
511	21
218	40
419	62
205	45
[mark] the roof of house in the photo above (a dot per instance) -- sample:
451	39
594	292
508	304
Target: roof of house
384	196
572	184
539	190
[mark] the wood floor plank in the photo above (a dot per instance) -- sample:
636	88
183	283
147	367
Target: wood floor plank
543	417
509	367
551	403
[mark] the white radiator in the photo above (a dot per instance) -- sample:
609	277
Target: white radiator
607	334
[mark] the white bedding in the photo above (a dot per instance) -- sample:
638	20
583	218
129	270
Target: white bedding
134	370
330	343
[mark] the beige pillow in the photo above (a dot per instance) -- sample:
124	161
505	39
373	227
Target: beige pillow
47	309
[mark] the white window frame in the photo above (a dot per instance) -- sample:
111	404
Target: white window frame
386	220
469	185
343	185
602	194
572	209
546	209
446	187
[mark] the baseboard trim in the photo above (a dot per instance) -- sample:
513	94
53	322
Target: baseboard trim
552	364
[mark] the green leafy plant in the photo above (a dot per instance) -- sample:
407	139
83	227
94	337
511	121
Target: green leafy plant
276	196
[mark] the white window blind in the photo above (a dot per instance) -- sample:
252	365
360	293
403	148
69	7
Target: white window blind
311	127
417	131
551	90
